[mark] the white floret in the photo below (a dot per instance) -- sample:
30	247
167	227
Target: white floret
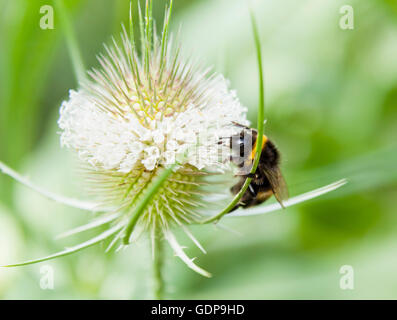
109	141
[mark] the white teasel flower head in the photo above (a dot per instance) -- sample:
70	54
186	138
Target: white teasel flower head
138	114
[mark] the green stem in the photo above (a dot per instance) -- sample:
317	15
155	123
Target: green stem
72	44
158	259
231	205
261	118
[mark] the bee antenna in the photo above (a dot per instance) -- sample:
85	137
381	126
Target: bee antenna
240	125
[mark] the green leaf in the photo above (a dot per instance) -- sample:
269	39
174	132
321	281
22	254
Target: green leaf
75	203
290	202
71	250
91	225
182	255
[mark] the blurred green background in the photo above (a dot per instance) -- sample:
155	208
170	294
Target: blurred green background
331	108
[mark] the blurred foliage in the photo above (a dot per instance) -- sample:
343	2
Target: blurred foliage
331	108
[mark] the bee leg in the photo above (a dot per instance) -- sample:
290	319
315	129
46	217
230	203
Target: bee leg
246	175
240	125
234	159
222	140
240	204
252	190
235	208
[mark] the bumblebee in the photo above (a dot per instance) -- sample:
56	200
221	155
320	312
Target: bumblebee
267	179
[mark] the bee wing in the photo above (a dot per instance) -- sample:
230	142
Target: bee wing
277	182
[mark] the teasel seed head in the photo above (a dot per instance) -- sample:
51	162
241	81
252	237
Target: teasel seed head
140	113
